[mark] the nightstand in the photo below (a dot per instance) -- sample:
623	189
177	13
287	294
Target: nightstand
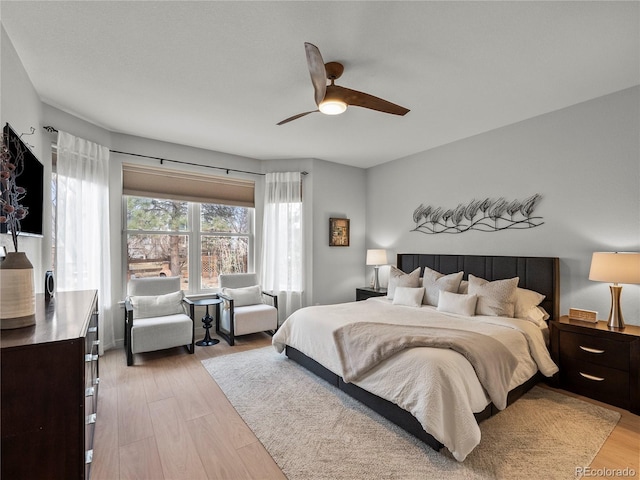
363	293
597	362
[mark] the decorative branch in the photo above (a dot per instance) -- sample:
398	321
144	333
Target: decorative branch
11	194
488	215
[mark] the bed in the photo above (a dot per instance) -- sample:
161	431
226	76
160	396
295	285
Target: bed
436	394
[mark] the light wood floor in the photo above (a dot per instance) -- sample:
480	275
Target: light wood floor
166	418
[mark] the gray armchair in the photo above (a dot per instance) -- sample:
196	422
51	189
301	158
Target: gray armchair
244	310
155	316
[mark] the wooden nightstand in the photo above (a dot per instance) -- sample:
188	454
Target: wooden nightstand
363	293
597	362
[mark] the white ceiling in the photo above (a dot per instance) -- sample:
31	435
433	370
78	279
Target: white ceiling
220	75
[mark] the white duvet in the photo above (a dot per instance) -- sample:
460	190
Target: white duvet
438	386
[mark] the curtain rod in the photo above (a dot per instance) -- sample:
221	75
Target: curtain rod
51	129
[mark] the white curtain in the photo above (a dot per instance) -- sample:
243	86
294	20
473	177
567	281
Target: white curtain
83	258
282	255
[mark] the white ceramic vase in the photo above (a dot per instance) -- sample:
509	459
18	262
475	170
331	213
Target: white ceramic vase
17	292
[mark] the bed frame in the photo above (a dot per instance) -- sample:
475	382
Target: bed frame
541	274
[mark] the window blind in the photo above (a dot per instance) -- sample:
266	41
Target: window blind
145	181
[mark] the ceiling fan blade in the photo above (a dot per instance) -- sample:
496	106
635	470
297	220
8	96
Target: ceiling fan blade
360	99
317	71
295	117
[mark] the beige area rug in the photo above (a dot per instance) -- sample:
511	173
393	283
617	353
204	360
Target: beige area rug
314	431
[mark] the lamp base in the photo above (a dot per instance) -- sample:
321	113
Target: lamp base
615	319
376	283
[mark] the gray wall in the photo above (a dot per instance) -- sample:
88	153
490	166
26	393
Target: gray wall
338	191
20	106
584	160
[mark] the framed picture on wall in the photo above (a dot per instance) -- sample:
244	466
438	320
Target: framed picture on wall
338	232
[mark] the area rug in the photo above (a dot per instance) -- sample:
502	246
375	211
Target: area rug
314	431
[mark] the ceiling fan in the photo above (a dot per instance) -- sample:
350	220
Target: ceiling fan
333	99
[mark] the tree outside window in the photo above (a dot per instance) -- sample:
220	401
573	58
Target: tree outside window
160	234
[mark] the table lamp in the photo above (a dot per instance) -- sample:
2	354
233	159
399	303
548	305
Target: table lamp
615	267
376	257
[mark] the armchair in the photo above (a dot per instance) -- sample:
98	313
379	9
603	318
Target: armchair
155	317
244	311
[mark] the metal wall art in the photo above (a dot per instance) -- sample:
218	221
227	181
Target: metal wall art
486	215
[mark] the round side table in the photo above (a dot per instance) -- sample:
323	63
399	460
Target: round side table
207	320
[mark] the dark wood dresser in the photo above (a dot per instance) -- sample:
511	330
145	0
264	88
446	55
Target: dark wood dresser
598	362
49	390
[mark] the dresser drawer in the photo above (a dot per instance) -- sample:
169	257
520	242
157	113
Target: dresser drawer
91	339
596	381
594	349
89	430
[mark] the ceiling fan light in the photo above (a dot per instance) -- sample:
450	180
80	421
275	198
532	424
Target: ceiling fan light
332	107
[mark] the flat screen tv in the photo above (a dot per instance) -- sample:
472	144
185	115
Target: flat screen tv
31	180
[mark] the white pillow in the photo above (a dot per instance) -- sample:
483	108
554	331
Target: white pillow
397	278
525	301
244	296
496	298
409	296
457	303
537	315
545	315
434	282
148	306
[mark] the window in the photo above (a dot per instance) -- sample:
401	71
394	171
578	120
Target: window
195	241
224	241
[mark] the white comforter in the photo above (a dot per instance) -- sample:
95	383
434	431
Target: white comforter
438	386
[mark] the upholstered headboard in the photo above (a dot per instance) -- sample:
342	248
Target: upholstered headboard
541	274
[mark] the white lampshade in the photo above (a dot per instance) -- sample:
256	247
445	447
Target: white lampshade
615	267
376	257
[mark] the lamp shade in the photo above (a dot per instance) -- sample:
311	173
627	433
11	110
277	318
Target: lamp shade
376	257
615	267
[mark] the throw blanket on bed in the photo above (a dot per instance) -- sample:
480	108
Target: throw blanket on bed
363	345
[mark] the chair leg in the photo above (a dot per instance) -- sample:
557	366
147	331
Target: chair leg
192	347
230	338
232	329
127	342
